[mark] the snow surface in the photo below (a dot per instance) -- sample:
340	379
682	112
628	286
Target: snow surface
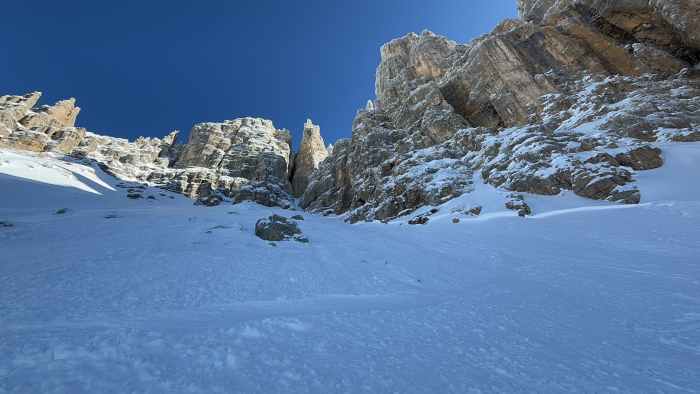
161	296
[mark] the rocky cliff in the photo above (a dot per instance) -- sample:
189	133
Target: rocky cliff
241	159
576	96
45	128
311	153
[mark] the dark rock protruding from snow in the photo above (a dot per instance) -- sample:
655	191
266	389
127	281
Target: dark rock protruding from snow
279	228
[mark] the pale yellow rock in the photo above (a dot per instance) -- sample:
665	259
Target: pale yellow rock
311	153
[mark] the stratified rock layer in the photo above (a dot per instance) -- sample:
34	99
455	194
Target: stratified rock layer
242	159
572	97
576	95
670	24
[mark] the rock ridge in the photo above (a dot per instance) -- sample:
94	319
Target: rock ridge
576	95
244	159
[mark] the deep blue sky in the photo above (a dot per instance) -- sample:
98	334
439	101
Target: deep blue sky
147	67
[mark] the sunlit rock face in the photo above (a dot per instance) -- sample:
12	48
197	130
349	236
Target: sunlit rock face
245	159
311	153
573	96
670	24
39	129
242	159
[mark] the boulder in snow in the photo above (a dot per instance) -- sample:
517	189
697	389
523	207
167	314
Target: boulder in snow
279	228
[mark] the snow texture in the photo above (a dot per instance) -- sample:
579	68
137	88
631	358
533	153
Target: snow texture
158	295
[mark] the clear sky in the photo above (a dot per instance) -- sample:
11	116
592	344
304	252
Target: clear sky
147	67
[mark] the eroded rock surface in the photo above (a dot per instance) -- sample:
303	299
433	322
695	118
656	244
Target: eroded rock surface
311	153
671	24
574	96
242	159
44	129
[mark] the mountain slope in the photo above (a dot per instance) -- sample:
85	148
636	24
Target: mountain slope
120	295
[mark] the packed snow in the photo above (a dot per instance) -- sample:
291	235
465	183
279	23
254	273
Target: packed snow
100	293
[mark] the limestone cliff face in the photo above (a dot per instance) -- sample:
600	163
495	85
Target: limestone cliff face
245	159
571	97
311	153
47	128
575	95
670	24
242	159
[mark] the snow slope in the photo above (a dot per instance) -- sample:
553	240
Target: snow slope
161	296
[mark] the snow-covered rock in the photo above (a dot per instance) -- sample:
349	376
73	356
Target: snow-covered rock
565	103
576	95
242	159
279	228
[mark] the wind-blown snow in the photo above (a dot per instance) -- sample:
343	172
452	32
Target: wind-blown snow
161	296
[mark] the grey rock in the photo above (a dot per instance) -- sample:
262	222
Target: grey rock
516	202
243	159
667	23
278	228
475	211
568	99
572	96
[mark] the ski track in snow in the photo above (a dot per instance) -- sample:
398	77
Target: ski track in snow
161	296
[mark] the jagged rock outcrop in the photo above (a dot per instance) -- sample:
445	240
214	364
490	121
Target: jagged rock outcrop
576	95
43	129
13	108
671	24
244	159
133	161
241	159
571	97
311	153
